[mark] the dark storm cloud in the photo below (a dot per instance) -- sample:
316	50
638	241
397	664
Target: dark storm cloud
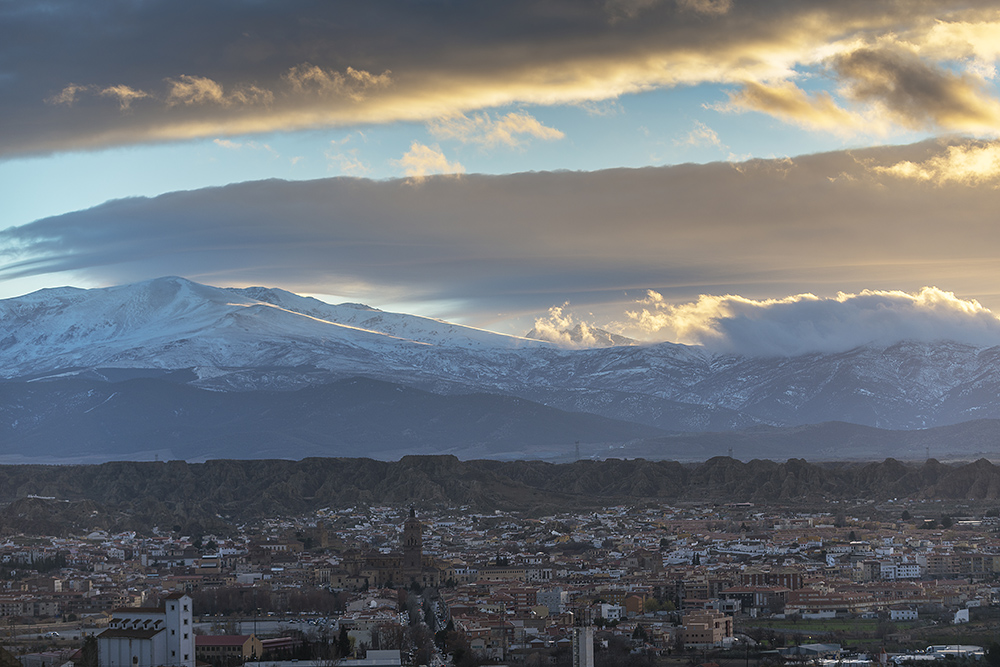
78	75
895	217
918	94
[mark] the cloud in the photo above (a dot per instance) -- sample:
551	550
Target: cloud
710	7
489	131
265	67
968	164
805	323
518	243
421	161
187	89
560	327
790	103
628	9
346	161
68	95
975	39
125	95
352	83
918	94
702	135
227	143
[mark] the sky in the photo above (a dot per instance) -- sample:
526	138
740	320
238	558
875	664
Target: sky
769	175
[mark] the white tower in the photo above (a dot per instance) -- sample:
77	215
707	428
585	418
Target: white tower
180	630
583	646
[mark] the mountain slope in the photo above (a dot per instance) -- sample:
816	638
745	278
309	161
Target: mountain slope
264	340
74	420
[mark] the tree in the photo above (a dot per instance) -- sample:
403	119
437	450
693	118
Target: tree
88	654
946	521
420	640
343	643
429	617
884	627
905	516
445	638
993	654
413	610
650	605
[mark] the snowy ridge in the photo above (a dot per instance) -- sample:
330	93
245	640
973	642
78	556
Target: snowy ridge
260	338
412	327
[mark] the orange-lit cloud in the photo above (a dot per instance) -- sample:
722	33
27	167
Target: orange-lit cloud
922	64
788	102
807	323
509	130
125	95
559	326
422	161
967	164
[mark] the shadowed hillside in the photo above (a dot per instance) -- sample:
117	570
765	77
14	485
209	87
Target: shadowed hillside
138	496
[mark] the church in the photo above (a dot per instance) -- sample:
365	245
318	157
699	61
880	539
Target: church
398	569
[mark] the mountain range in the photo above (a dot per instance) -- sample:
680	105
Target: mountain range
174	369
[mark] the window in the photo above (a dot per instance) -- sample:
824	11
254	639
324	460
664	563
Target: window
185	656
185	621
173	654
173	632
185	607
185	635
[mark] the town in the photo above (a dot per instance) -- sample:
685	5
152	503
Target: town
700	583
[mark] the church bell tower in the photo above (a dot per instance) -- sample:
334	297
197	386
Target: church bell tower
413	547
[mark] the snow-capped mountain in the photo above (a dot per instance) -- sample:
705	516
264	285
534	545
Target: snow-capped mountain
259	339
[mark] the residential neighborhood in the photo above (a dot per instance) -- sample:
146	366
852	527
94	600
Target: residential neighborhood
444	585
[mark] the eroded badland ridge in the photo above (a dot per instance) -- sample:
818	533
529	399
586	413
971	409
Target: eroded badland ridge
137	496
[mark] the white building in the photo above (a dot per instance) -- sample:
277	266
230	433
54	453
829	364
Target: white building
902	613
554	599
149	636
612	612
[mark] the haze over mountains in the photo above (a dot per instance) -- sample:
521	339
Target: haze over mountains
173	369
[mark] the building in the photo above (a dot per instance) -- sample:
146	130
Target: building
707	629
413	548
404	568
902	613
583	646
227	649
149	636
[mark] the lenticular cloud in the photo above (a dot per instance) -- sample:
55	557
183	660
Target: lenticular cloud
806	323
